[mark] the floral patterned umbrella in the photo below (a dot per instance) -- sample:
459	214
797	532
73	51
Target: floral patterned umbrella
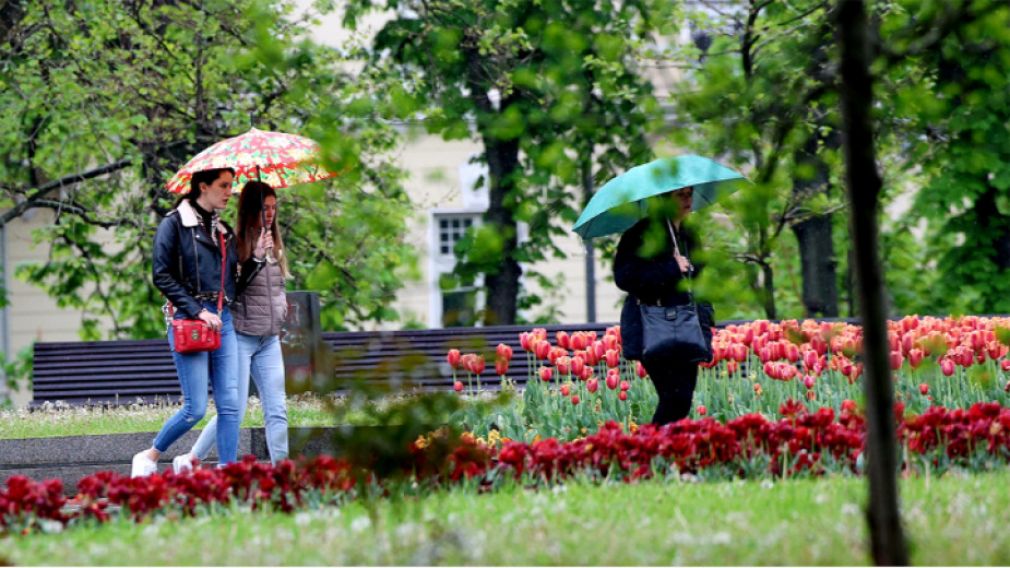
276	158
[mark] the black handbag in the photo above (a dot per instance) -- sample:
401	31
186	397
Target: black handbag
677	332
674	332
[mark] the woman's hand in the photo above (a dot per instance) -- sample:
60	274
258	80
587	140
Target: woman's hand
683	262
266	241
211	319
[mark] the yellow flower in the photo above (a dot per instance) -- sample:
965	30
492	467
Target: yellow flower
421	442
494	437
632	426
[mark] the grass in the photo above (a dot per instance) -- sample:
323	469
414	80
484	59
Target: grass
53	421
952	521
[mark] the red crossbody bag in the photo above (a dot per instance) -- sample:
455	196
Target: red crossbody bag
194	335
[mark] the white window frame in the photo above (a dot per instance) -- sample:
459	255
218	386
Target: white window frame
439	264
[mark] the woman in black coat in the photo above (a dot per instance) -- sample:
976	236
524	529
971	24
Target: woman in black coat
650	265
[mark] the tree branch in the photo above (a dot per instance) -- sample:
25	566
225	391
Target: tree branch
39	193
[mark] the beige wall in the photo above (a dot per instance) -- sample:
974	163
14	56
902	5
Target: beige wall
31	315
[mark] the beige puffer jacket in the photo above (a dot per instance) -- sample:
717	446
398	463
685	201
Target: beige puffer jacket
251	311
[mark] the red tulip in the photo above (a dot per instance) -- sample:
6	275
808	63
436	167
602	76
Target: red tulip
915	357
592	385
504	352
848	405
1005	364
579	341
564	365
599	348
808	381
811	395
587	372
565	390
625	385
612	382
555	353
591	357
577	365
642	373
478	365
702	411
612	342
924	388
623	395
564	340
810	359
757	389
732	366
457	386
526	341
546	373
613	358
501	368
947	367
541	349
896	360
453	358
575	399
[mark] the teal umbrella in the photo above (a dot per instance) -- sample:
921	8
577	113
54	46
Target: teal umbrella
622	201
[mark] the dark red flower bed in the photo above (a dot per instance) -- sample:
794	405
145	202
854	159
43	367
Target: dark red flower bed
801	442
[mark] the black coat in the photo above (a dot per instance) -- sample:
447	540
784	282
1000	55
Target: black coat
187	263
644	267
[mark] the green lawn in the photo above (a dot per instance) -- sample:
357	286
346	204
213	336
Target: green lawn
73	421
954	520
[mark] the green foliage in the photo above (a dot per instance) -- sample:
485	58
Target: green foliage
950	107
102	103
762	99
17	372
552	90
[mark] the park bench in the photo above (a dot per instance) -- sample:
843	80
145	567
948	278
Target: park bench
123	371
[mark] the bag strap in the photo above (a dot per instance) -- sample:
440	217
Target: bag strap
220	294
224	256
676	248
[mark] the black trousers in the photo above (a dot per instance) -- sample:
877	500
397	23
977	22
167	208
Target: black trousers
675	382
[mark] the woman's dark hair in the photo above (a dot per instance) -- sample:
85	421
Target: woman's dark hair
206	176
250	221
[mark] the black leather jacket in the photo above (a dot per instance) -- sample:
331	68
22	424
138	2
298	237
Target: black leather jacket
187	263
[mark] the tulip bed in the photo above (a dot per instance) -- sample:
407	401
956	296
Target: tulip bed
776	401
799	443
580	381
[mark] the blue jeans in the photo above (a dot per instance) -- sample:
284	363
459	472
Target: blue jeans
261	357
196	371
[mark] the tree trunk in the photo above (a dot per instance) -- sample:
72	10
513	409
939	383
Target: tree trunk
502	285
994	224
817	247
587	194
768	290
887	540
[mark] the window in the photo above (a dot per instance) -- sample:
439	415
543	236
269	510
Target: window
451	230
459	307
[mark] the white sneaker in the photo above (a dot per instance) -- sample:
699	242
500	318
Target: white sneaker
182	464
143	466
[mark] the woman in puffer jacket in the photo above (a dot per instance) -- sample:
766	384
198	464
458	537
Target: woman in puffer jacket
258	312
